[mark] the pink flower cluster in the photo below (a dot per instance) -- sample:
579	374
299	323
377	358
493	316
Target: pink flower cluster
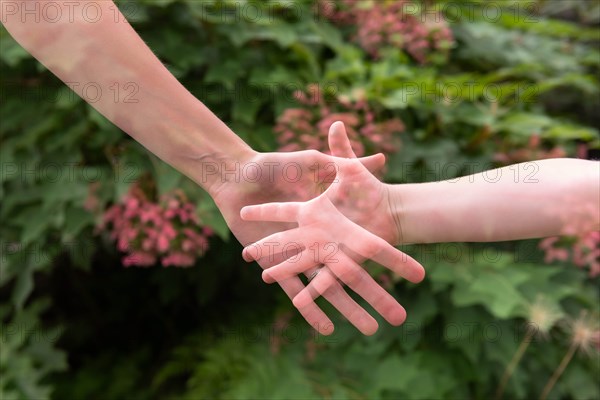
308	127
533	151
580	243
399	23
147	231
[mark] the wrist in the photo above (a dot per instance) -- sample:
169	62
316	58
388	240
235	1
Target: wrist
413	213
212	169
396	213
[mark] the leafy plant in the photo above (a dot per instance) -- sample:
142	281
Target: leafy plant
472	92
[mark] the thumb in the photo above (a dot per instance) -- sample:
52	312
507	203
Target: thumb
339	144
374	163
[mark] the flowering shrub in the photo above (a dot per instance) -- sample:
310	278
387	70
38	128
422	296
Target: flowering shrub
307	128
580	243
533	151
147	231
398	23
504	79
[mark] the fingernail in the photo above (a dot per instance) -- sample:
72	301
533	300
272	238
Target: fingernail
325	330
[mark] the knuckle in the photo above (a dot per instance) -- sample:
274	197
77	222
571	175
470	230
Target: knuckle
354	277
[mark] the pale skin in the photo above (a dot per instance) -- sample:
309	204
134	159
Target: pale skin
487	207
157	111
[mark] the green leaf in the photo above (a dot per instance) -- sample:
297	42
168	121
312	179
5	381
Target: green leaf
464	330
34	220
401	98
571	132
166	177
524	124
499	293
412	375
12	53
491	281
225	73
76	219
392	374
211	216
23	286
580	382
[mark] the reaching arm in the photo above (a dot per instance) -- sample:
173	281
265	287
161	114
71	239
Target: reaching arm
104	61
522	201
491	206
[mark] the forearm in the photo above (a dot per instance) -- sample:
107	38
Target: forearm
522	201
126	83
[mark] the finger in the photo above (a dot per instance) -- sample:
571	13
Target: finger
328	166
375	248
311	312
360	282
288	243
327	285
272	212
339	144
295	265
357	279
374	163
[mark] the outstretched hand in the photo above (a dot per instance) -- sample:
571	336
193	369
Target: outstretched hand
329	234
296	176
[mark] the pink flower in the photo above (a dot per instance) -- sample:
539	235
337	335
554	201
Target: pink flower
162	243
187	245
169	231
556	254
141	259
178	260
581	243
132	203
92	202
170	214
147	231
548	243
308	128
533	151
396	24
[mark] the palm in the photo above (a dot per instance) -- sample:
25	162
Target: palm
284	177
325	236
352	215
275	182
364	200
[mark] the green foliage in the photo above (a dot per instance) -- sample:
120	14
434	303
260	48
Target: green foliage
455	343
28	353
209	333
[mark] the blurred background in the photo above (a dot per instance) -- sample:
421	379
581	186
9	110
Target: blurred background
91	308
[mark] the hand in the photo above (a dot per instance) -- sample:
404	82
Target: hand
297	176
361	197
325	236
